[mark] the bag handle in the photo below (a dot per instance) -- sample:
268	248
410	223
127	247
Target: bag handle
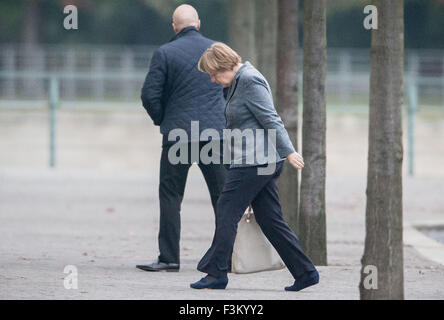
249	213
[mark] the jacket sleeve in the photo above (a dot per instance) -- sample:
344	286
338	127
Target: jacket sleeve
260	103
154	86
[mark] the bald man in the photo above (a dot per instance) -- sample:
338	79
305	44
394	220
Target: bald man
175	93
185	16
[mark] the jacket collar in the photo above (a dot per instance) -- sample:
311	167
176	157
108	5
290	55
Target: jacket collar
244	66
184	32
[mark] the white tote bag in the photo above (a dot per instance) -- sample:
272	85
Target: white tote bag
252	252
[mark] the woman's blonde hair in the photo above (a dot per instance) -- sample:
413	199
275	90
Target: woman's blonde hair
218	58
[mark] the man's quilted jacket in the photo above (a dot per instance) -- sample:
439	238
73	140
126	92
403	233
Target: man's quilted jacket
175	92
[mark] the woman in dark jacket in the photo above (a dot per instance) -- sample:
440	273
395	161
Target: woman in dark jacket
251	178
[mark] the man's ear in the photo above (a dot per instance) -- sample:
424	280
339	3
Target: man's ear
198	25
174	27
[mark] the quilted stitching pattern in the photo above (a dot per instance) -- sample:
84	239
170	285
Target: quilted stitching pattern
188	94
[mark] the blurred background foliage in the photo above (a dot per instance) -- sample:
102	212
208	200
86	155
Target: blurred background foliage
132	22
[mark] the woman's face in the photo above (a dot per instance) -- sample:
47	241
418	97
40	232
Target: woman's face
223	78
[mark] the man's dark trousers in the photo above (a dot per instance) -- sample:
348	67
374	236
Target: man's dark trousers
173	178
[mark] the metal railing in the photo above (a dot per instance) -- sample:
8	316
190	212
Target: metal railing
106	73
117	73
94	73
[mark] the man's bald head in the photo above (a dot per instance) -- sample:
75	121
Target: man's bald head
185	16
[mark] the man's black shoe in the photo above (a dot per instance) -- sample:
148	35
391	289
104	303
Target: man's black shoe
159	266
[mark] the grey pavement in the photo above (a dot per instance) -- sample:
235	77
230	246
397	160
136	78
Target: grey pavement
99	211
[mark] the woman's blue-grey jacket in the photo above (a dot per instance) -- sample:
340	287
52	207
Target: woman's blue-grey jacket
250	114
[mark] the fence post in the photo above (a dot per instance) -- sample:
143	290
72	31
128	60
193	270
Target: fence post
127	68
69	84
344	76
98	68
9	61
34	61
412	108
53	103
442	82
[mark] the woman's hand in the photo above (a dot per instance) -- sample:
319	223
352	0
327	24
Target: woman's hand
296	160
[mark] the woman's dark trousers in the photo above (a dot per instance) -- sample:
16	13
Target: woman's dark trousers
242	187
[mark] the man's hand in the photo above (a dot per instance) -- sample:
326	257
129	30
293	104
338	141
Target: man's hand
296	160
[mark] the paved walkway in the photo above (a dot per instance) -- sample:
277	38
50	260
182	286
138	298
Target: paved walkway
105	223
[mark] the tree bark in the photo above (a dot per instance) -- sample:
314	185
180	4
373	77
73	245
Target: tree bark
383	240
312	219
287	102
241	28
266	39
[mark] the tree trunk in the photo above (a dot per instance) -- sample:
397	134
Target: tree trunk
383	239
266	39
287	102
241	28
312	220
